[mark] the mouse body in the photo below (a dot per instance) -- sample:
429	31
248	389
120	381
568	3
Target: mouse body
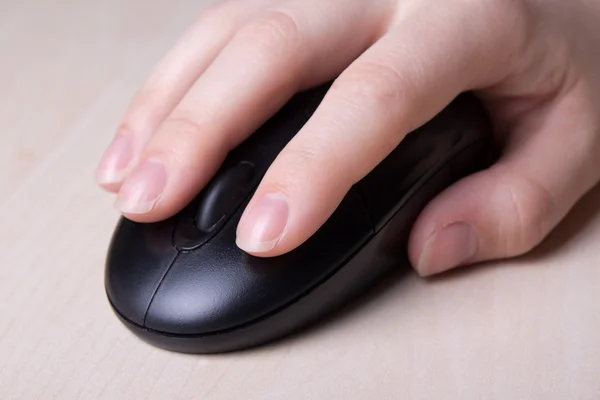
183	285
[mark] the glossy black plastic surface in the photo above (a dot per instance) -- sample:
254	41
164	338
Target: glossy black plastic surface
183	284
223	196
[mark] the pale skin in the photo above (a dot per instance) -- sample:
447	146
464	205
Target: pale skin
534	63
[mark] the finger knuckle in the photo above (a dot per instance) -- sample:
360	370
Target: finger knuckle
302	155
531	209
141	112
131	124
372	82
314	159
272	35
488	7
183	125
504	22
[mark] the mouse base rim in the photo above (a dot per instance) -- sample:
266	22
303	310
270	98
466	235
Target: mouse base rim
296	317
335	292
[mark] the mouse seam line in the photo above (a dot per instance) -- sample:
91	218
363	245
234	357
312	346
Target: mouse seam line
162	278
256	320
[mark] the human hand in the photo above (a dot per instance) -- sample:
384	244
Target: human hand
534	63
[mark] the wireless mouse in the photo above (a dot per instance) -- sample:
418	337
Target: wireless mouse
183	285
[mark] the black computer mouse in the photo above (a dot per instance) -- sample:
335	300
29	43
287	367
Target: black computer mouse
183	284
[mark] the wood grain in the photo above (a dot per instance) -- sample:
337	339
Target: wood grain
524	329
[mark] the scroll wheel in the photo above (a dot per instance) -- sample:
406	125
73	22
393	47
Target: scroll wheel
224	195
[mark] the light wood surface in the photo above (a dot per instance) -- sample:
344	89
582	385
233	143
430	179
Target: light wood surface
525	329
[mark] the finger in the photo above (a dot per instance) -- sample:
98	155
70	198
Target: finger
509	209
267	61
169	82
401	82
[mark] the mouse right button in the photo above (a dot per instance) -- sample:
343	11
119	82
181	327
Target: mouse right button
475	153
384	189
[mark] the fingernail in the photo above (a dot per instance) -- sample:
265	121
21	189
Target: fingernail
262	226
142	188
115	160
451	247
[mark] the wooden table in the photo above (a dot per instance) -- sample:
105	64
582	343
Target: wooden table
524	329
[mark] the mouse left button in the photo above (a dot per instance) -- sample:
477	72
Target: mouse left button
138	258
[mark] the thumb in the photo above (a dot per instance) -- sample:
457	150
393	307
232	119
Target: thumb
509	209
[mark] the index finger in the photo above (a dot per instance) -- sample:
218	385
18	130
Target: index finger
400	83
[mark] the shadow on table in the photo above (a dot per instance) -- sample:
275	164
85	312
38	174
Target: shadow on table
332	320
573	226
